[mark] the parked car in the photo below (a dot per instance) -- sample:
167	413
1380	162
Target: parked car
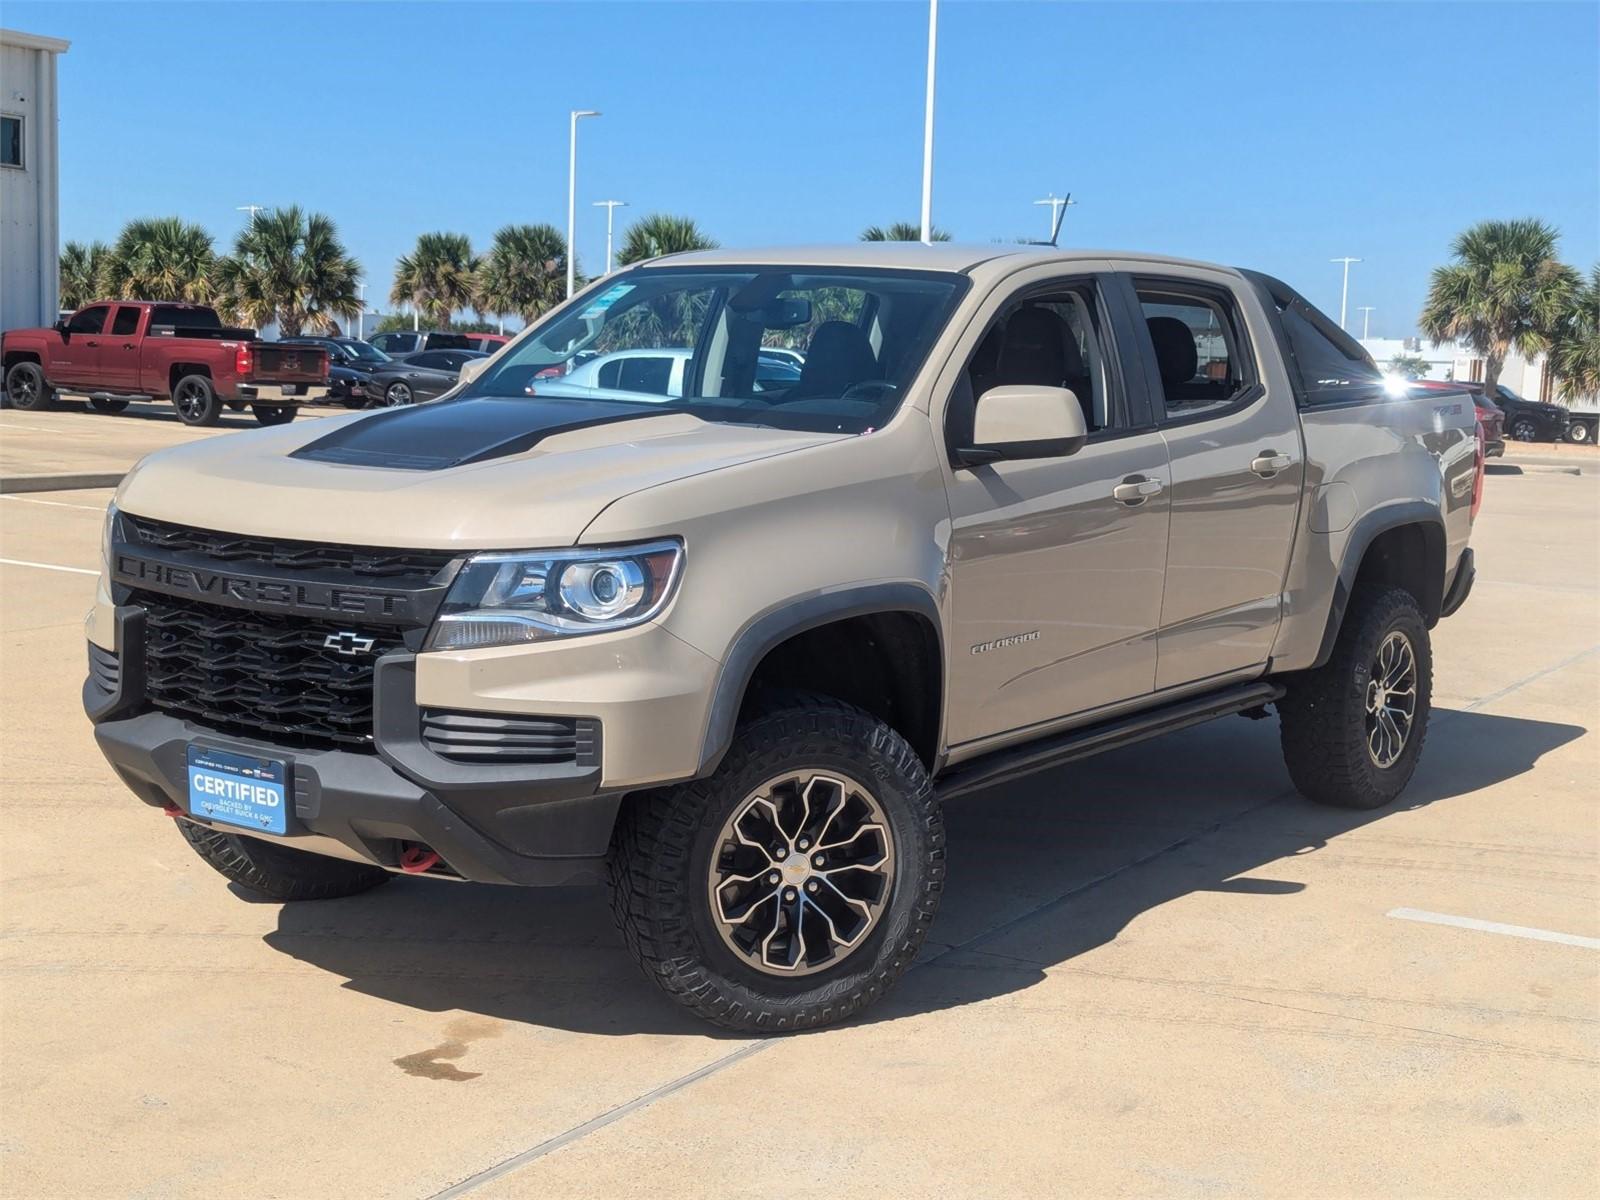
732	650
1489	417
660	371
407	341
1529	420
120	351
487	342
412	378
351	362
795	358
1585	423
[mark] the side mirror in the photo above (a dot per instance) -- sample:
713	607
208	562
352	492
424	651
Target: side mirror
61	328
1025	421
471	369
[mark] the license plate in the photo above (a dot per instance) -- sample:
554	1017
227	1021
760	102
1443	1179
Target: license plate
239	789
290	389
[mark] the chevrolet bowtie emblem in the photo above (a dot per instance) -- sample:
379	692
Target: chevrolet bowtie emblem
345	642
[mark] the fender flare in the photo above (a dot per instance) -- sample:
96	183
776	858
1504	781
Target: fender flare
1366	530
780	623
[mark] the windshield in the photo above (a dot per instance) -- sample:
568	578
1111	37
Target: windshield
694	340
364	352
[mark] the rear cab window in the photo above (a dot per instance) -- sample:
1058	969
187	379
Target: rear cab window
1329	366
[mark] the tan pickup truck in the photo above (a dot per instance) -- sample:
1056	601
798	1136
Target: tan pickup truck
728	640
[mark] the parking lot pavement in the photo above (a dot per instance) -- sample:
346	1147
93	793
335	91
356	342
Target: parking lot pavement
72	440
1157	972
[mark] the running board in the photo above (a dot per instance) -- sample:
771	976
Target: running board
1014	762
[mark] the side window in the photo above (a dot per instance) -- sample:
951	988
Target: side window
126	321
1049	338
90	320
1332	369
647	374
432	360
608	373
1201	358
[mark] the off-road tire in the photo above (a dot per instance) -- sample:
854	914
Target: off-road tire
107	405
660	859
277	872
274	414
1322	718
26	388
196	402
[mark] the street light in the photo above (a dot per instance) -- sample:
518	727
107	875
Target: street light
361	310
611	207
1366	319
252	209
927	126
1344	296
1057	204
572	192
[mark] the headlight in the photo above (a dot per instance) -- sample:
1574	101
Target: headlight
108	535
531	596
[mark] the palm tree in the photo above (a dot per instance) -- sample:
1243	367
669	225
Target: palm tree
1505	290
661	233
438	277
160	258
525	272
1575	345
290	267
81	270
901	231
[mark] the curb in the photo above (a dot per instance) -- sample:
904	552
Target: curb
60	483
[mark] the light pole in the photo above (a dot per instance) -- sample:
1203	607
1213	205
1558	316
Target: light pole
611	207
927	125
252	209
1366	319
1344	295
572	191
361	310
1056	203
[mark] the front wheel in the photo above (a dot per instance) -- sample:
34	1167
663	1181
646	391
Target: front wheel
1352	729
274	414
793	887
196	400
107	405
26	387
397	394
277	872
1523	429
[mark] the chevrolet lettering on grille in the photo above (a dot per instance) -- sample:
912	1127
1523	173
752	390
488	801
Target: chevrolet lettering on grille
256	592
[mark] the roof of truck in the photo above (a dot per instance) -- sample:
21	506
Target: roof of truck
939	256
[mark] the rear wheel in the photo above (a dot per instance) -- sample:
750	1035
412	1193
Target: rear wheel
26	387
793	887
397	394
274	414
105	404
1352	730
196	400
1580	432
277	872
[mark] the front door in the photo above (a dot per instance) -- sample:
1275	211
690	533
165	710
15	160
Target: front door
76	361
1233	435
1055	580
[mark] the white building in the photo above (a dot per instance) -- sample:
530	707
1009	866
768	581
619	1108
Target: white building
1529	378
30	233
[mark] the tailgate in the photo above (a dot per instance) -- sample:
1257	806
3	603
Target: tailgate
288	364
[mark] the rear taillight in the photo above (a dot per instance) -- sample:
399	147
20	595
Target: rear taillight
1478	468
244	360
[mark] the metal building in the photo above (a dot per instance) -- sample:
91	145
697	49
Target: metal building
30	232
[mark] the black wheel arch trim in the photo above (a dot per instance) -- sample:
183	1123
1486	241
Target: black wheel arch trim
1367	530
783	621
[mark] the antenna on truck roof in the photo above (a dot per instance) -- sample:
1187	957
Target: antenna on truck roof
1058	211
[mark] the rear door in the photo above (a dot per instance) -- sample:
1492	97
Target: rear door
1227	414
1055	580
76	361
119	350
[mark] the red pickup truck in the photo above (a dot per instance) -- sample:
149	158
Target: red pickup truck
122	350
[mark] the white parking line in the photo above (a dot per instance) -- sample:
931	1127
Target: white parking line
20	562
1521	931
94	508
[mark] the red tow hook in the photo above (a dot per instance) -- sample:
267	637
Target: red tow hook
415	860
173	811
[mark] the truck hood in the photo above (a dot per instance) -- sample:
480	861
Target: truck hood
483	473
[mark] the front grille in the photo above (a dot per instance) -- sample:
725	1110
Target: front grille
399	567
260	674
105	669
472	737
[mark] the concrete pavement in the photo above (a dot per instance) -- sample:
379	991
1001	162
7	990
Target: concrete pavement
1158	972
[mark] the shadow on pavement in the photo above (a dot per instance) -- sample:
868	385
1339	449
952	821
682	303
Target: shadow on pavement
1068	858
159	412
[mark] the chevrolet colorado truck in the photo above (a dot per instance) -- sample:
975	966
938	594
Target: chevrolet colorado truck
730	648
123	350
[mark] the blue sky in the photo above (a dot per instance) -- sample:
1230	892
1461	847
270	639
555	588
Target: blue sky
1275	136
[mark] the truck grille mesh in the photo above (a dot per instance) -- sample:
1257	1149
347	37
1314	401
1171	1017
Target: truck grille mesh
365	562
260	674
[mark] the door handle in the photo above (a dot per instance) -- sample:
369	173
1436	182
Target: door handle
1269	462
91	344
127	345
1135	490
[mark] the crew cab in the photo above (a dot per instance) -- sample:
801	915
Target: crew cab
730	645
117	351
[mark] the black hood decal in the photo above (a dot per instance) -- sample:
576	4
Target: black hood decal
433	437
